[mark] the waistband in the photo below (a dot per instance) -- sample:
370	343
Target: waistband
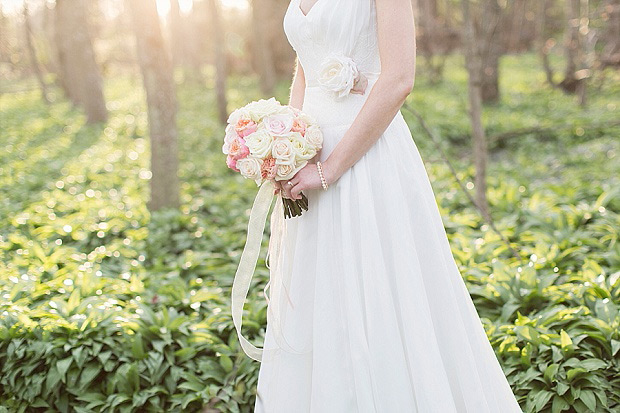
314	82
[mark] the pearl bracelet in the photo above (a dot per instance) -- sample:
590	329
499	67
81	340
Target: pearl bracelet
319	168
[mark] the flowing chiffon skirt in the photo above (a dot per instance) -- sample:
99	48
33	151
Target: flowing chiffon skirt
377	317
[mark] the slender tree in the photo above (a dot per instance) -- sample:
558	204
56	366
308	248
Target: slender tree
79	72
156	68
610	55
431	39
544	44
33	53
177	47
491	50
266	64
219	58
474	65
571	81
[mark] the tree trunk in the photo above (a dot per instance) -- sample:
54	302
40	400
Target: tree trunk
266	64
610	55
79	72
176	34
4	49
585	54
220	60
33	54
430	35
544	45
474	65
570	84
491	51
156	68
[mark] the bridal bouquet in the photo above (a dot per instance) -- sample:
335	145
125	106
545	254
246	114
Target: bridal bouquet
268	141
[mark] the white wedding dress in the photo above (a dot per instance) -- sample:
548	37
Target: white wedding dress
377	317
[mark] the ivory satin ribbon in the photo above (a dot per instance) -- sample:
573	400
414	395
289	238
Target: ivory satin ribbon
273	261
249	258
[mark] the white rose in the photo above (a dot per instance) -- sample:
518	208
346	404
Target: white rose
282	151
237	114
307	119
228	138
338	73
278	125
303	150
314	136
286	171
261	108
259	143
249	167
287	110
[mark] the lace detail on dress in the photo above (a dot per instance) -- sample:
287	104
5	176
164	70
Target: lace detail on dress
319	34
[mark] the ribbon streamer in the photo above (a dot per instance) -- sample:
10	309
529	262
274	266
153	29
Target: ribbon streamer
273	260
247	264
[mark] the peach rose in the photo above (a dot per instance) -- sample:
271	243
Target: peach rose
245	126
299	126
238	148
232	163
269	168
231	134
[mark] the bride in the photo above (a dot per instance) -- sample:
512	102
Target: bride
370	313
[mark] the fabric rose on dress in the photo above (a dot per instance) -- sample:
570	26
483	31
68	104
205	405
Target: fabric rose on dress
339	74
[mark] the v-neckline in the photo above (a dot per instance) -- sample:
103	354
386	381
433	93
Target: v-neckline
309	11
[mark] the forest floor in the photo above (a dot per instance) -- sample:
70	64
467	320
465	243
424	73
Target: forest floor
106	305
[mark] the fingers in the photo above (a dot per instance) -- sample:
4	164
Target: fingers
286	189
360	85
295	192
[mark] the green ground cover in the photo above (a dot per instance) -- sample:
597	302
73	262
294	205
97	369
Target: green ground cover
105	307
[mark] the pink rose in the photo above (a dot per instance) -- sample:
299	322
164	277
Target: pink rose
238	149
232	163
245	126
268	168
279	125
299	126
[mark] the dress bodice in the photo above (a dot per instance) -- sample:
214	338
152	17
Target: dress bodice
308	36
345	28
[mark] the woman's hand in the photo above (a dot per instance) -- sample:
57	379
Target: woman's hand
306	178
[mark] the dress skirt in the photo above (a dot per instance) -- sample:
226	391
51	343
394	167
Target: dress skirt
374	314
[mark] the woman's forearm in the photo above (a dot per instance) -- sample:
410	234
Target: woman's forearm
397	48
385	100
298	87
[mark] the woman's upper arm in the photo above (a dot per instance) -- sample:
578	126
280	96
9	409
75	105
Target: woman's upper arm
396	37
298	87
300	70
